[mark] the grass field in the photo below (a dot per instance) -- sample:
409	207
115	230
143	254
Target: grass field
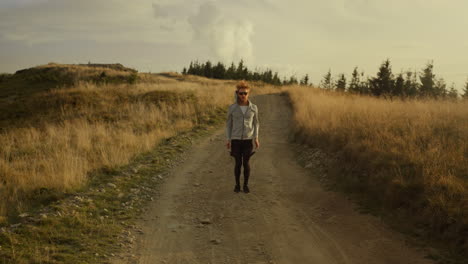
406	158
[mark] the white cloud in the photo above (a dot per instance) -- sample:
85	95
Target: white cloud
229	37
233	41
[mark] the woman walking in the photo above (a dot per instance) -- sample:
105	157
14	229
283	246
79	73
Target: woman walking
241	129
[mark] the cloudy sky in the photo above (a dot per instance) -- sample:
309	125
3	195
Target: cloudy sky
292	37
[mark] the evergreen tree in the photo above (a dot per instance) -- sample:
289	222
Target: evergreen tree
364	86
399	86
246	74
231	72
267	76
270	76
383	84
293	80
207	70
427	79
261	76
190	69
276	79
219	71
410	87
197	69
184	71
440	89
240	70
256	76
341	83
305	80
354	85
286	81
327	82
452	93
465	90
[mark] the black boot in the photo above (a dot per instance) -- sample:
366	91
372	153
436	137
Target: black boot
237	188
246	189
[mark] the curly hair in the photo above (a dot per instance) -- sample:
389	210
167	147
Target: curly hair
242	85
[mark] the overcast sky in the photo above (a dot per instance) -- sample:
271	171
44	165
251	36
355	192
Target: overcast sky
292	37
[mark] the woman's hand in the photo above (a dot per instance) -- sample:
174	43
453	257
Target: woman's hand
228	144
257	144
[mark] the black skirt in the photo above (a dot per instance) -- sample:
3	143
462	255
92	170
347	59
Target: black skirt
242	147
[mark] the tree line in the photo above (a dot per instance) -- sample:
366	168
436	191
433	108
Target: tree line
236	72
410	84
386	84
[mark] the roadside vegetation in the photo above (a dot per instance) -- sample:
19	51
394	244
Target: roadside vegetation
408	159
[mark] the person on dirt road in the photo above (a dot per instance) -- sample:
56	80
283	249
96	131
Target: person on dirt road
241	131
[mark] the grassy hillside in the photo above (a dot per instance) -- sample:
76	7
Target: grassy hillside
17	91
60	122
407	159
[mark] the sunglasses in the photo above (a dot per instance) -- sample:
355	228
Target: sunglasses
242	93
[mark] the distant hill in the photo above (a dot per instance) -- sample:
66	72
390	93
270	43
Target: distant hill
52	75
25	88
26	96
69	74
51	65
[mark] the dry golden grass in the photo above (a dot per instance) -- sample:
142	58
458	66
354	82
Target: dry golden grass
68	132
405	155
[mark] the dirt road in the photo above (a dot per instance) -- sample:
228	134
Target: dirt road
286	218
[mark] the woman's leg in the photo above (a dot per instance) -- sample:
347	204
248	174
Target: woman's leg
237	154
237	168
246	151
245	159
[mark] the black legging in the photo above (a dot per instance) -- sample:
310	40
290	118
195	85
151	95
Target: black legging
241	150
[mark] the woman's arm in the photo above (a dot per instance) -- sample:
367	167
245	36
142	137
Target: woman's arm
256	126
229	128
